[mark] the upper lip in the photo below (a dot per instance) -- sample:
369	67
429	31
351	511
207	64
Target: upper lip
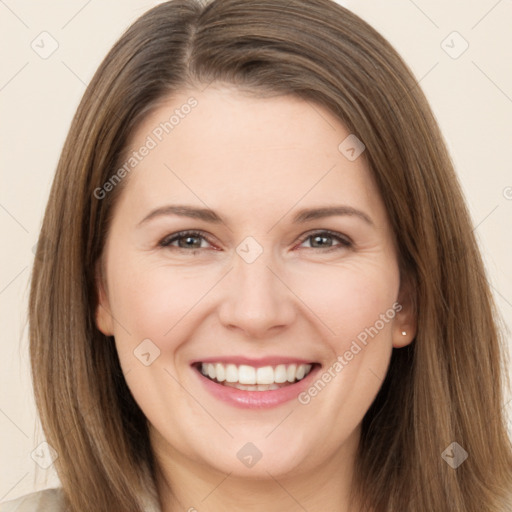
255	362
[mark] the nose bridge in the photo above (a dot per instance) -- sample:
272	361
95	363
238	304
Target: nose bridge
255	279
257	300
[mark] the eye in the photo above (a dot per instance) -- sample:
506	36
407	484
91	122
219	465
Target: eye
320	240
186	240
191	241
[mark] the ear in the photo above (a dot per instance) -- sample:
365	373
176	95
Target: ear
104	321
405	324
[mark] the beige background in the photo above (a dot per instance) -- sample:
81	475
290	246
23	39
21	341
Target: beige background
471	96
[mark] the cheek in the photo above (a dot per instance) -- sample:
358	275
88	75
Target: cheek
351	298
151	303
357	304
149	296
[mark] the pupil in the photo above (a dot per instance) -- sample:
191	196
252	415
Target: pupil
319	238
189	241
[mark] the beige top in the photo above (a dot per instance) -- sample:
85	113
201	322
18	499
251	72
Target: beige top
49	500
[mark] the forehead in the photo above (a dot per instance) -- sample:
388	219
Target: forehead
229	150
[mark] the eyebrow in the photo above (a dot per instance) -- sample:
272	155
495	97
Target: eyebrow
301	217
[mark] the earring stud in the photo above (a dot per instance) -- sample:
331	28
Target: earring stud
404	333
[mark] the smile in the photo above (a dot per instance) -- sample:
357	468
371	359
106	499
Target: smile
248	386
249	378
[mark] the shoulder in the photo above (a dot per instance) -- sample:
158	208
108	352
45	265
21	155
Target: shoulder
49	500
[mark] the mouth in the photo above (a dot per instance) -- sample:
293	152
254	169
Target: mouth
244	385
250	378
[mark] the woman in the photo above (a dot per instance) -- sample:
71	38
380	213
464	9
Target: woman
264	292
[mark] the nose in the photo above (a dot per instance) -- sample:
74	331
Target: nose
257	299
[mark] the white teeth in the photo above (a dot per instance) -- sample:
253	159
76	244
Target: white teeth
231	373
220	372
247	374
256	387
264	377
291	372
280	374
301	370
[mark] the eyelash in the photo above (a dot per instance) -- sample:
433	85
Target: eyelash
166	242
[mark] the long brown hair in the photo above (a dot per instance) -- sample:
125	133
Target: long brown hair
445	387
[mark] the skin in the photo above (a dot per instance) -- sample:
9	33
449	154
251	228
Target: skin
256	162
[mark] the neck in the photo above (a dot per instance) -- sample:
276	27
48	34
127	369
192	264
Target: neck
188	485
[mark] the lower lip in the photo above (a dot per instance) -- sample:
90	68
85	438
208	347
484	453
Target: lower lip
257	399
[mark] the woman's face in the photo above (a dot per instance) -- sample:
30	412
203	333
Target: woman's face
268	286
